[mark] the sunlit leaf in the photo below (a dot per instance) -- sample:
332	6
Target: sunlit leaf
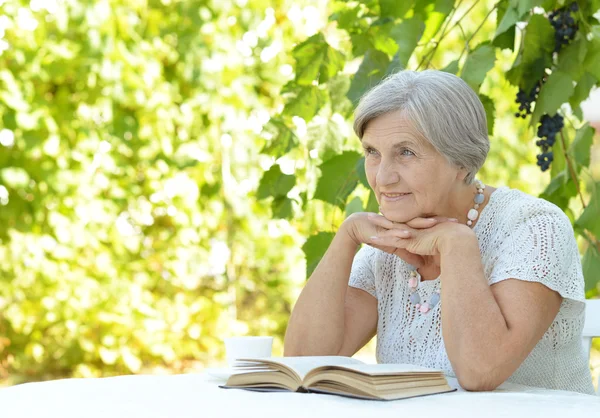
316	60
314	248
338	178
274	183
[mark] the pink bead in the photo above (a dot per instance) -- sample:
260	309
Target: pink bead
412	282
418	305
424	307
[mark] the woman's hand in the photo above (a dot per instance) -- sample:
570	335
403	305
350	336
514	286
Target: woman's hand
362	226
422	242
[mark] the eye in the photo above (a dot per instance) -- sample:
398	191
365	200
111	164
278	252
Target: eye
370	151
407	152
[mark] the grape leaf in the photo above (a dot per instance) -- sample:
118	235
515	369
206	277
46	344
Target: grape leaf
581	147
406	34
314	248
570	59
556	91
360	170
394	8
451	68
316	60
535	54
582	90
370	72
589	218
478	63
590	265
592	58
355	205
490	112
283	141
338	178
306	103
275	183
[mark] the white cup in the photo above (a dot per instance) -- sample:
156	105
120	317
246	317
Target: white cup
247	347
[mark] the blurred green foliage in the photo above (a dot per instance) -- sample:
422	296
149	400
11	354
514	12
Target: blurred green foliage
160	164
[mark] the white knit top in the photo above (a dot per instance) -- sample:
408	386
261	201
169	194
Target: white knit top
520	237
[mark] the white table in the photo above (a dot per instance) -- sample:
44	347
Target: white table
197	395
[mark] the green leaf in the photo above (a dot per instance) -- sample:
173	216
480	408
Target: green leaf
535	55
338	178
360	170
477	65
316	60
490	112
406	34
581	147
306	103
590	265
559	163
582	90
589	218
451	68
371	71
372	203
510	16
571	59
275	183
394	8
553	94
283	141
282	208
355	205
314	248
560	190
592	58
437	11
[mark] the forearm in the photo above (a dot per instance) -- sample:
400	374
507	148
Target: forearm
316	326
474	328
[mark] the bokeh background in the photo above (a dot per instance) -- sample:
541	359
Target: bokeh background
134	234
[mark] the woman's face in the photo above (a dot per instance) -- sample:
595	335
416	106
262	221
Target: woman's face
409	177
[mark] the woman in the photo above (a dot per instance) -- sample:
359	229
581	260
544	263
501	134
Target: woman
512	304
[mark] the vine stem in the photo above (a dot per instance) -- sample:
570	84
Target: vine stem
466	48
571	170
444	32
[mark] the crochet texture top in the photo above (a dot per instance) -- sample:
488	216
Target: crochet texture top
520	237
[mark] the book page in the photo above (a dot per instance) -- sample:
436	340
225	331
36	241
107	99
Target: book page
391	369
304	364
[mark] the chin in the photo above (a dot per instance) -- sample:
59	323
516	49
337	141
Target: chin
397	217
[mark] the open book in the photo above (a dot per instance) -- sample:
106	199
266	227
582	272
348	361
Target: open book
337	375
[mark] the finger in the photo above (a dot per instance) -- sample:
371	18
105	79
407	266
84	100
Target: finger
382	221
398	239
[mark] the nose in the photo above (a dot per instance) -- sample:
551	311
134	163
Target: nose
387	174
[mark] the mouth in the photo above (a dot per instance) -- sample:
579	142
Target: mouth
392	197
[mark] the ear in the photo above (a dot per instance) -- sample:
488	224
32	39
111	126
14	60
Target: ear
462	173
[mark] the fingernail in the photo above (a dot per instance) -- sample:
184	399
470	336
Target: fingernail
453	219
431	219
405	232
374	238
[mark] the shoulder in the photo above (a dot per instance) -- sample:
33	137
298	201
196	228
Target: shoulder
515	209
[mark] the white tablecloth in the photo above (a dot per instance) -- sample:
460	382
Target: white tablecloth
197	395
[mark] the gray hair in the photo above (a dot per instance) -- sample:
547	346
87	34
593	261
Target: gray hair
443	109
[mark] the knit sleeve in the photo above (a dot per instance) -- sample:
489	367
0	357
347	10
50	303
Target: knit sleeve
362	275
538	245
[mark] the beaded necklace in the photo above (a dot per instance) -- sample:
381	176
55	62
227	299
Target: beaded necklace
415	278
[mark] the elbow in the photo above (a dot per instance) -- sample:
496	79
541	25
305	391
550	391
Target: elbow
477	380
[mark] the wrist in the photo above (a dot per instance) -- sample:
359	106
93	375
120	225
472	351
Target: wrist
456	239
348	232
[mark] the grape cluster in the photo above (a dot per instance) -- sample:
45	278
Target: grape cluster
524	100
564	25
549	127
